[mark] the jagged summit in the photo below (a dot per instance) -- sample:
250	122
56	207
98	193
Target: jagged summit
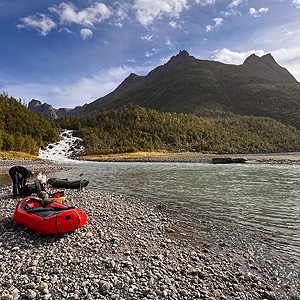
268	62
34	102
45	109
182	55
269	58
132	77
130	81
253	59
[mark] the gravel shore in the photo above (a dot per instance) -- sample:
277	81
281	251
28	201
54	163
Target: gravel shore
126	250
32	165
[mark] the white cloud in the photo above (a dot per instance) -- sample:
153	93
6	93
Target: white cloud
296	3
169	44
68	13
86	33
287	32
122	10
205	2
209	28
175	25
149	54
119	24
235	3
258	13
40	22
289	58
218	23
147	37
225	13
65	29
148	10
84	90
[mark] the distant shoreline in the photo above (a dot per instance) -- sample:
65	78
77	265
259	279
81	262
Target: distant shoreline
46	167
275	158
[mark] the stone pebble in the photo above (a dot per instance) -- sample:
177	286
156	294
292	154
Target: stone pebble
123	252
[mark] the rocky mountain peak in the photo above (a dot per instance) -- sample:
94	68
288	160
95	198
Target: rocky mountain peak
45	109
267	61
34	103
182	55
268	57
252	59
131	81
132	77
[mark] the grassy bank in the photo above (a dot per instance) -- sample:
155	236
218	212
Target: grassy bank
152	156
133	155
292	157
17	155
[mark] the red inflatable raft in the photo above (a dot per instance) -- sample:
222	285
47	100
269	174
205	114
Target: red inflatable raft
48	217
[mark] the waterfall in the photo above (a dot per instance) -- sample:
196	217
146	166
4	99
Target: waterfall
64	150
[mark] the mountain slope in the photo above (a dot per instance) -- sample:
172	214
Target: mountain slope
258	87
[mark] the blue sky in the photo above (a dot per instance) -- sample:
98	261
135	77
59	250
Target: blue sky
71	53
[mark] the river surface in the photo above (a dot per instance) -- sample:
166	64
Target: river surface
257	199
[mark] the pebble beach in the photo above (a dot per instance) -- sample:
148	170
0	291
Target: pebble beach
128	249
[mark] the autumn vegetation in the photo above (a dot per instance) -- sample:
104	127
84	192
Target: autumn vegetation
133	128
22	130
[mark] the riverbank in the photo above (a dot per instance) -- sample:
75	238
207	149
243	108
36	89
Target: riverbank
289	158
128	249
44	166
39	165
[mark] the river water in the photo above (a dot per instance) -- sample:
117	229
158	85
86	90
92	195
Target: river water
261	200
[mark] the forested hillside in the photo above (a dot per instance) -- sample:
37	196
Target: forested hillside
23	130
133	128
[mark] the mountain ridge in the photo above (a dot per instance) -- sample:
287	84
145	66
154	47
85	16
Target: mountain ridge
259	87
